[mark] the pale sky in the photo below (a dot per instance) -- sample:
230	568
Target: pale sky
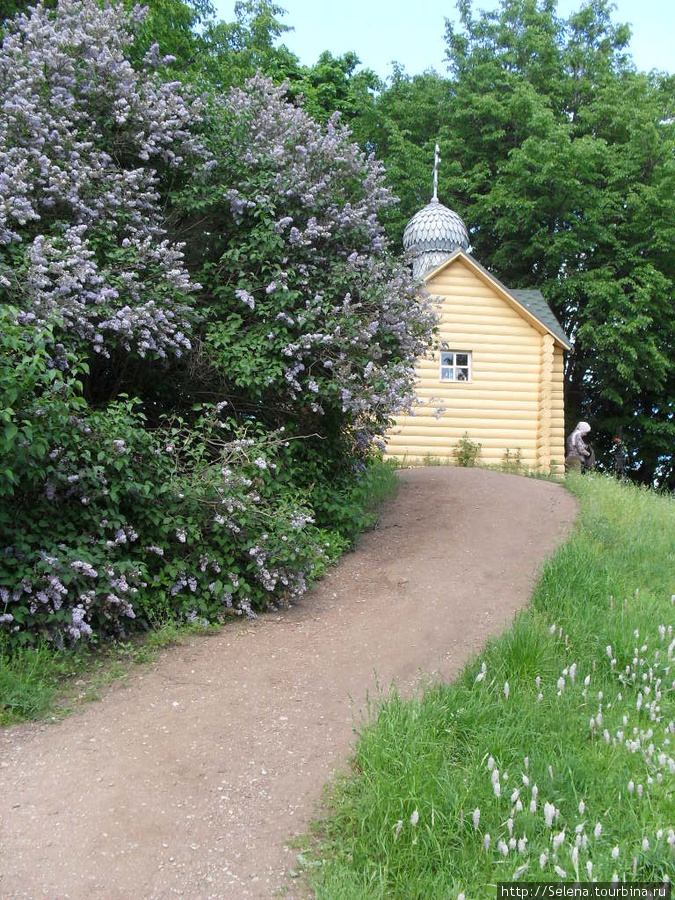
411	31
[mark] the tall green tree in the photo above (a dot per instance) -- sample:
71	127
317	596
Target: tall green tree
560	157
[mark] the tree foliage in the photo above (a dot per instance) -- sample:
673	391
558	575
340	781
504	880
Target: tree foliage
560	157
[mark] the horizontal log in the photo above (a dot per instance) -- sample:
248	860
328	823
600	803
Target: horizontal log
506	318
514	440
486	326
473	340
487	454
526	412
450	389
480	389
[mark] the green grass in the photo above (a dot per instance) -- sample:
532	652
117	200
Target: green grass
429	759
43	682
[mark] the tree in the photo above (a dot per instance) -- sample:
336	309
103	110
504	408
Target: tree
235	51
402	130
562	165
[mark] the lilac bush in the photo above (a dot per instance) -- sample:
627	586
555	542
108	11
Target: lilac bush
126	526
203	334
84	141
309	311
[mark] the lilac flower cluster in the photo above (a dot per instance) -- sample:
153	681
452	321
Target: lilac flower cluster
64	79
66	597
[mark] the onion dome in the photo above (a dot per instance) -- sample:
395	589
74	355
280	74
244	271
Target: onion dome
432	235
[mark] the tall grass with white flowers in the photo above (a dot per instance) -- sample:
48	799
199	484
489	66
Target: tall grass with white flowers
552	757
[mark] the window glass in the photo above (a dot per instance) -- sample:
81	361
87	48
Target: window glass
455	365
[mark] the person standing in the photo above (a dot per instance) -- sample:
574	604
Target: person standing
578	454
619	456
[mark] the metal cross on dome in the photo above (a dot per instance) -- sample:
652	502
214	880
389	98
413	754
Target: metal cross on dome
437	159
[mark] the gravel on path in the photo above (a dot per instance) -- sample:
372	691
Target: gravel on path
190	781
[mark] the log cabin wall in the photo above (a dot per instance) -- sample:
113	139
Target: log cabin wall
512	405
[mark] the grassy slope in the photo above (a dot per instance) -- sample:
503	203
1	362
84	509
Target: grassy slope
431	758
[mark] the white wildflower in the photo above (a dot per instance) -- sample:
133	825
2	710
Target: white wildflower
476	817
519	871
414	818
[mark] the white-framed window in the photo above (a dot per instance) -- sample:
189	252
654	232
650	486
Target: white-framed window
456	365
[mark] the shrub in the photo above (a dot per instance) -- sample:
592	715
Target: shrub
127	524
512	461
132	489
467	451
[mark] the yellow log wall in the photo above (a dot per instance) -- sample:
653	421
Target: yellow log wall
514	400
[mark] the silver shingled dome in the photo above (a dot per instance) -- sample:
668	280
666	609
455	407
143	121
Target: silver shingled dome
432	235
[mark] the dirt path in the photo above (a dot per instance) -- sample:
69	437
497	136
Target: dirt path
188	782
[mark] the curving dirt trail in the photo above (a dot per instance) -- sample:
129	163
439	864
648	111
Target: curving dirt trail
189	781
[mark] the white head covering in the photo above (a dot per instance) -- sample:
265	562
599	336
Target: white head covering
583	428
